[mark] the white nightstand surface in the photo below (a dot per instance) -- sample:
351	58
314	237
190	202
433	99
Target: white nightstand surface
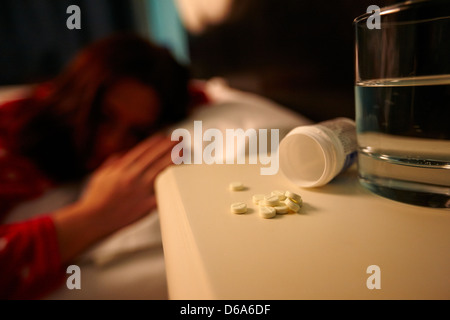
321	253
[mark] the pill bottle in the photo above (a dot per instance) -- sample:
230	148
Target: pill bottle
312	155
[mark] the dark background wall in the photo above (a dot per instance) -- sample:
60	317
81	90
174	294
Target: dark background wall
35	43
299	53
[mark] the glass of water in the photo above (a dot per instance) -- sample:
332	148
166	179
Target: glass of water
402	97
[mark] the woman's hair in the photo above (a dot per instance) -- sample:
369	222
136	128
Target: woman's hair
59	137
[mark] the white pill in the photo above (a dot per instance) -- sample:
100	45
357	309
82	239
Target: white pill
282	209
293	196
280	194
257	198
267	212
271	201
236	186
292	205
239	208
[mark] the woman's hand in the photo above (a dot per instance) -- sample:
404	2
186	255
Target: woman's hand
122	189
120	192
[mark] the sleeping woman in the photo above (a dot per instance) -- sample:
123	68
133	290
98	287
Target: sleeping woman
101	116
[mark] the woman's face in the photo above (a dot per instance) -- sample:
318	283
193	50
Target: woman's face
129	110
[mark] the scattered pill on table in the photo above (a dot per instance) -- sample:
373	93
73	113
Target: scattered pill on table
280	194
271	201
257	198
267	212
236	186
239	208
292	205
278	202
293	196
282	209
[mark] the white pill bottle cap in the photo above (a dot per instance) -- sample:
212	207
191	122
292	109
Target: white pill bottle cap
311	156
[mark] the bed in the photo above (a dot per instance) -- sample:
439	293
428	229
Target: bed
130	263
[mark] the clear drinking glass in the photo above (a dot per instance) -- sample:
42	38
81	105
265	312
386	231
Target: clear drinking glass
402	97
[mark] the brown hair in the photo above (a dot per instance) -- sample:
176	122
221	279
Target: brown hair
59	136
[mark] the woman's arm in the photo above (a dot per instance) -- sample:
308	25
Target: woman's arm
119	193
30	261
33	253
